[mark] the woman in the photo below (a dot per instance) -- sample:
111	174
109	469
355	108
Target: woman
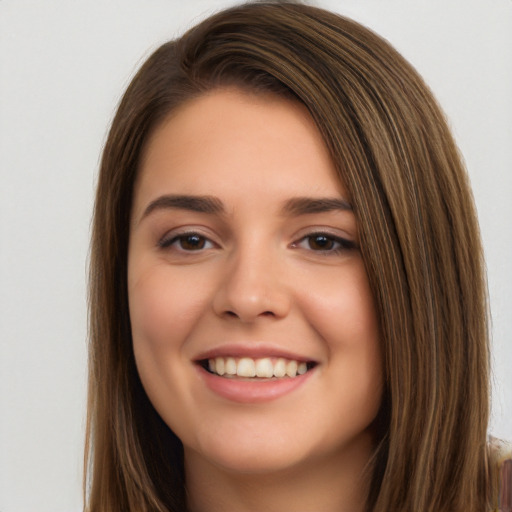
288	301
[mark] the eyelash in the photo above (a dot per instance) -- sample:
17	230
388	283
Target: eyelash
167	243
336	244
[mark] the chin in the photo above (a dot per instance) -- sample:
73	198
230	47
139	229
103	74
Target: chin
252	449
256	459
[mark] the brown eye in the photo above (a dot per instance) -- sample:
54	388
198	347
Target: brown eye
325	243
186	242
320	243
191	242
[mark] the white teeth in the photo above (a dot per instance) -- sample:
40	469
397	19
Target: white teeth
246	367
219	366
291	368
263	368
280	368
230	366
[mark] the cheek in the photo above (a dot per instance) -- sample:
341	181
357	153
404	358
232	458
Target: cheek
342	309
162	317
151	308
163	308
161	320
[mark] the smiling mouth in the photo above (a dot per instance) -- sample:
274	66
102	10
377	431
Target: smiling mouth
261	368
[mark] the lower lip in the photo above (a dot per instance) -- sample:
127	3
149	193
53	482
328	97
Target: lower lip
252	391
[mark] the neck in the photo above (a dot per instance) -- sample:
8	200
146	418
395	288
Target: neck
333	484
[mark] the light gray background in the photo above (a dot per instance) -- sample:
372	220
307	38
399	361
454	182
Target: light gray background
63	67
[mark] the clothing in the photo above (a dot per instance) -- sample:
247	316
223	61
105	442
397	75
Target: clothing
501	467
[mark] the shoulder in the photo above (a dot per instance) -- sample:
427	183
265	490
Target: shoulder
500	459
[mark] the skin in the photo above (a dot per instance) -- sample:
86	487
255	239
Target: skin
258	276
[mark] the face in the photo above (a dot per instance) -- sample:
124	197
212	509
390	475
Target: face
254	329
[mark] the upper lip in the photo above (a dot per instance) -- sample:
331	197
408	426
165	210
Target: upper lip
252	350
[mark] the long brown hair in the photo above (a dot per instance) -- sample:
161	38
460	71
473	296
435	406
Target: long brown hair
419	238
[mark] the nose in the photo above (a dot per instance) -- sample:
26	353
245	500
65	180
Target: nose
253	286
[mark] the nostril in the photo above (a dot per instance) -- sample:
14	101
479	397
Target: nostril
234	315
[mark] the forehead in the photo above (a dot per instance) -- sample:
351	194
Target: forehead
229	142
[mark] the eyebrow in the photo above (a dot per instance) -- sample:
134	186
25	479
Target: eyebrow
308	205
200	204
213	205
